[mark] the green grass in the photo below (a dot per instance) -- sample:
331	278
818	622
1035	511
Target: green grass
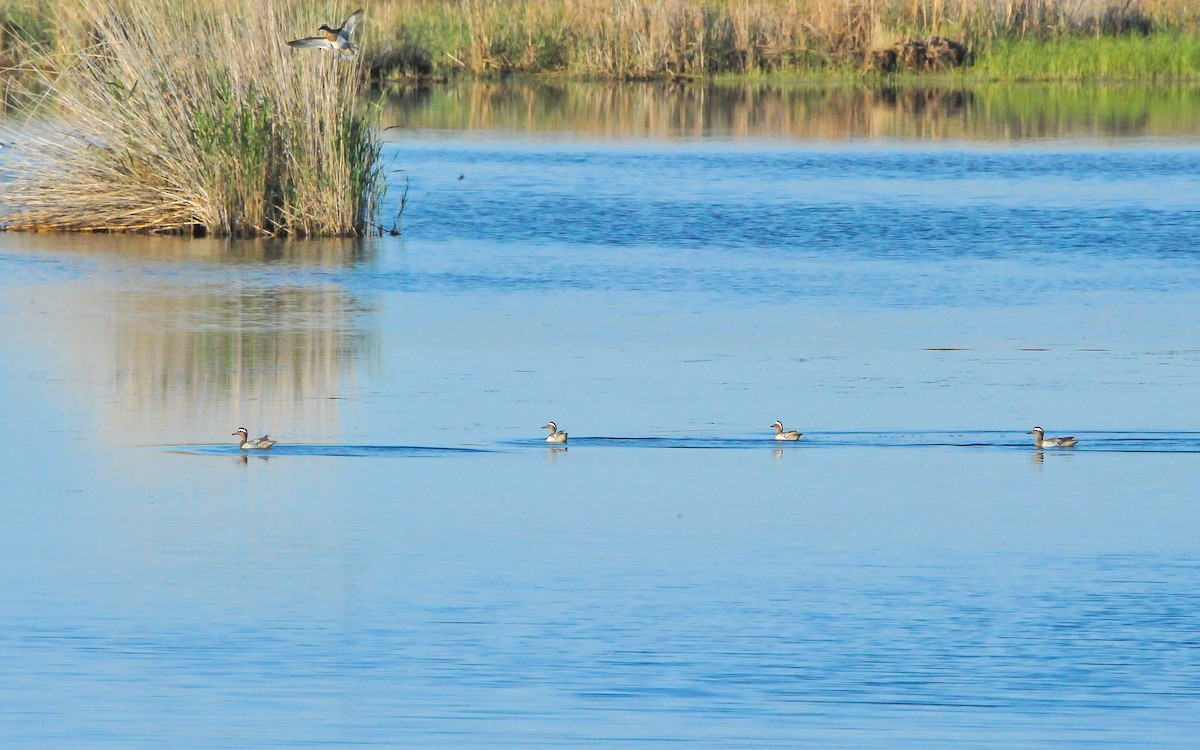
1164	56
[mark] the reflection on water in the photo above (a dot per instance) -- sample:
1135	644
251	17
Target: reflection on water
199	342
253	353
148	253
797	111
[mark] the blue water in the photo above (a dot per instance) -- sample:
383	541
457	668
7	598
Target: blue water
413	566
1145	442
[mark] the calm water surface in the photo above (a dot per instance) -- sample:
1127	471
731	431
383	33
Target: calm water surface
412	566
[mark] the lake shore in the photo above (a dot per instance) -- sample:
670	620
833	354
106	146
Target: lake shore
1029	40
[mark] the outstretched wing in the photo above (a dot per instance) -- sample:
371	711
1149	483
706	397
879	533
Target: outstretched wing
312	41
351	22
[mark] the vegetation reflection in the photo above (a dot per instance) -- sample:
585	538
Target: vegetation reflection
663	110
214	335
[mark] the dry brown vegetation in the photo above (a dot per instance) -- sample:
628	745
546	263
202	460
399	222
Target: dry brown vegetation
631	39
189	118
644	39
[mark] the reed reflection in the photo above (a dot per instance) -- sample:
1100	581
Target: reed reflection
279	359
797	111
201	337
144	250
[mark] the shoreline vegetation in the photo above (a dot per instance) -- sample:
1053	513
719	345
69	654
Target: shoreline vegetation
197	119
189	119
1007	40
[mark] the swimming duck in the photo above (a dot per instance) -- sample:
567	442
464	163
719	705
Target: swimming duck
782	434
1041	441
556	435
337	39
245	443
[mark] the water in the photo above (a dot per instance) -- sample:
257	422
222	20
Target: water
413	566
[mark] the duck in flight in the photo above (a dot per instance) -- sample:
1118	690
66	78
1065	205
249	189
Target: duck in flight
337	39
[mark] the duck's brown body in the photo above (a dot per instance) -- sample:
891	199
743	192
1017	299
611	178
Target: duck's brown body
246	444
783	434
337	39
1041	441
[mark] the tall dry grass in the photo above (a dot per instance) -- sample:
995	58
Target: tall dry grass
194	118
644	39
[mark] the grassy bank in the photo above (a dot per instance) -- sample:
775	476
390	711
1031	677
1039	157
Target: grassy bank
185	118
632	39
1163	56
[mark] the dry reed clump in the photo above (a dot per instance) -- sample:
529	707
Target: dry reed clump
195	118
638	39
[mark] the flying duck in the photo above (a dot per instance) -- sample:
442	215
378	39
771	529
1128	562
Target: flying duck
337	39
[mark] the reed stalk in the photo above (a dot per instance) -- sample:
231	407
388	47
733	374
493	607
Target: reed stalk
195	118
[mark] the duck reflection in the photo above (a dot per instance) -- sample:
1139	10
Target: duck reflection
1039	456
244	460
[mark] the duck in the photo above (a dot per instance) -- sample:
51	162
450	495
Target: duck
782	434
337	39
556	435
1041	441
245	443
